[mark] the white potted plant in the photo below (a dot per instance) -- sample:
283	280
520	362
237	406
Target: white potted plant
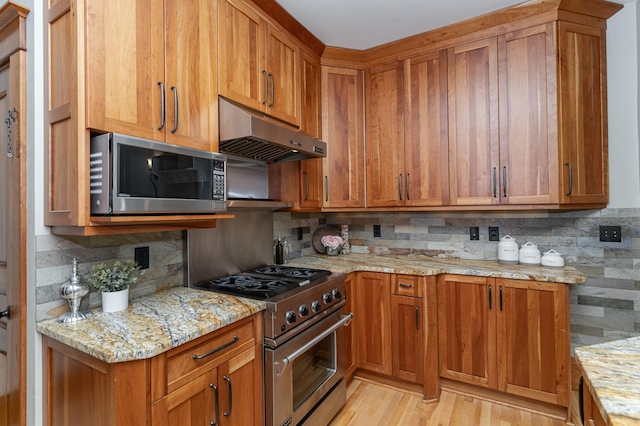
114	283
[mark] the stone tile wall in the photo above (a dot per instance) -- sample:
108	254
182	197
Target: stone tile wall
606	308
54	256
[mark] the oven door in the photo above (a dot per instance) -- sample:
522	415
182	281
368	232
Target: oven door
302	371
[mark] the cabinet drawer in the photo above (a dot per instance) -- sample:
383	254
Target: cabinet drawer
210	352
406	285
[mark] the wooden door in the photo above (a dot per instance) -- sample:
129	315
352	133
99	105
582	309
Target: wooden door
242	74
124	64
311	183
343	131
385	136
192	404
282	62
466	329
191	80
13	216
373	305
426	135
473	123
406	338
350	335
533	340
311	95
528	132
582	113
240	384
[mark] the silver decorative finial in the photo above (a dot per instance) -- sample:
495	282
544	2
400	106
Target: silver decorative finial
73	291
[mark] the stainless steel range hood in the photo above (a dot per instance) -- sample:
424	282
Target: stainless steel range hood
248	134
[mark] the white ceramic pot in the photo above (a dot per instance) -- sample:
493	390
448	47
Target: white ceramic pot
552	258
508	251
115	301
529	254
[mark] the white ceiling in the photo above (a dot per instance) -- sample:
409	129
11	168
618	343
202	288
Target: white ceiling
361	24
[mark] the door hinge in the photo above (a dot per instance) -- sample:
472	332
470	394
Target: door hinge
11	118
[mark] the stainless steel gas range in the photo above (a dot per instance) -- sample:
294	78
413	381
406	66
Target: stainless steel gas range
303	331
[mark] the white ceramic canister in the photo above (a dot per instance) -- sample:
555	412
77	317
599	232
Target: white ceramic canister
552	258
529	254
508	251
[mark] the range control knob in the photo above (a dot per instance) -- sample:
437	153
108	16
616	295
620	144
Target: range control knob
315	306
290	317
336	294
326	298
303	310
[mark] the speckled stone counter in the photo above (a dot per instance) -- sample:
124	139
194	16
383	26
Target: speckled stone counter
152	324
423	265
613	373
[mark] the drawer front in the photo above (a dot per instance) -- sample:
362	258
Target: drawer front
405	285
207	353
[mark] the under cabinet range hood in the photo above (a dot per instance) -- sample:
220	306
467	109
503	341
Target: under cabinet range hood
252	135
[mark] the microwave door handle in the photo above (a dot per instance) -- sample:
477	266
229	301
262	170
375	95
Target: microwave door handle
281	366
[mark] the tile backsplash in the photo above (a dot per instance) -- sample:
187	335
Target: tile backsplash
606	307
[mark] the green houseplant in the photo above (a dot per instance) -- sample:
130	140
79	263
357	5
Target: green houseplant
114	282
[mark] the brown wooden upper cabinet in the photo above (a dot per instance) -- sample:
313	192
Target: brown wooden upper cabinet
527	120
407	159
259	64
151	70
343	130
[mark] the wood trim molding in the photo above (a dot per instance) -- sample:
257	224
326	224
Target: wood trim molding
13	29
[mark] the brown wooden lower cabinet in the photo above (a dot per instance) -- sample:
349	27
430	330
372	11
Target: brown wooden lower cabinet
172	388
507	335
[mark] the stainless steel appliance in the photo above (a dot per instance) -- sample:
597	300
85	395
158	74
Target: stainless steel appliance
303	323
129	175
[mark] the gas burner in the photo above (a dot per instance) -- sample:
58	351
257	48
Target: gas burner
291	272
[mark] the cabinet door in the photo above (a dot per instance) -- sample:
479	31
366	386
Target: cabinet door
350	332
473	123
426	136
406	338
311	183
193	404
466	329
343	131
282	64
124	63
240	383
528	134
242	76
373	300
385	136
191	74
583	114
311	114
533	340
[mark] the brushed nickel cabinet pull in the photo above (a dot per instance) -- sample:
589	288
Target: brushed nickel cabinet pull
400	187
417	317
162	105
406	285
273	89
570	179
500	297
306	185
495	183
504	181
490	299
406	188
174	89
266	86
218	349
228	380
326	188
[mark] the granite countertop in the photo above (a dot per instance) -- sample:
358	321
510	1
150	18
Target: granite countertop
423	265
613	373
152	324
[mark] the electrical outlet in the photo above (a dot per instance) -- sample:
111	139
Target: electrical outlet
494	233
376	231
299	231
141	256
474	233
611	234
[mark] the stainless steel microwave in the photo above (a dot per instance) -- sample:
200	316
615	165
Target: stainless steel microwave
129	175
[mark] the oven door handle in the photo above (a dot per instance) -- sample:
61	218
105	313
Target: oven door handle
281	366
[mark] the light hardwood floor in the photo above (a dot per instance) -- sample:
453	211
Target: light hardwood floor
370	404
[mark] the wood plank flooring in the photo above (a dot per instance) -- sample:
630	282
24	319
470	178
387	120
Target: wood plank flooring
371	404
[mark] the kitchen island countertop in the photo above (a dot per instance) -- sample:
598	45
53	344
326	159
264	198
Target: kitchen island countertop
613	374
424	265
151	324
